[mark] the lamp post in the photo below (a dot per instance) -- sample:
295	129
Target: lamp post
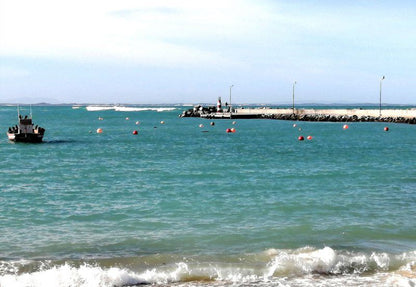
381	81
231	107
293	98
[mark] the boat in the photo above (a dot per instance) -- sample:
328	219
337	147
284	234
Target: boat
25	131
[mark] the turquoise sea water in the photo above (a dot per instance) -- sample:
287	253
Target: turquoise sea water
184	205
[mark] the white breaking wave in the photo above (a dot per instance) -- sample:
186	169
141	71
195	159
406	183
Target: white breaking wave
128	109
67	275
301	267
99	108
136	109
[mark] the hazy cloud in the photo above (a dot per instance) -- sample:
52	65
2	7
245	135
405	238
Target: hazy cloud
262	45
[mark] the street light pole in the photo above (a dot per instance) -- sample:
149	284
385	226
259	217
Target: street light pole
231	107
293	98
382	78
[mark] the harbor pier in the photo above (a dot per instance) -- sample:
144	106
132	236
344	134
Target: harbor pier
319	115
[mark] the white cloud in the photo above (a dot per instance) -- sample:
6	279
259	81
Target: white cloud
149	32
259	43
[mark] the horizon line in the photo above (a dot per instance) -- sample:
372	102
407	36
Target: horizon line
204	103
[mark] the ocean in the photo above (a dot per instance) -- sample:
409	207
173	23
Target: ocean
183	203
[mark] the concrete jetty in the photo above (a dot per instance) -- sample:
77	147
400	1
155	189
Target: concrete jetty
322	115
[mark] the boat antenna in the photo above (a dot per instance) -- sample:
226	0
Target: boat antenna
30	108
18	112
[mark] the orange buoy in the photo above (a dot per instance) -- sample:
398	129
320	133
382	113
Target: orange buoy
201	125
345	127
135	132
301	138
233	130
309	137
99	130
162	122
295	125
386	129
228	130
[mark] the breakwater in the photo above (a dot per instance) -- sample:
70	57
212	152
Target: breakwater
314	115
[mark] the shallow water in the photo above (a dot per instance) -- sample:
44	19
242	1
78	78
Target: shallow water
185	205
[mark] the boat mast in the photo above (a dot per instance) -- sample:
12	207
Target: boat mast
18	112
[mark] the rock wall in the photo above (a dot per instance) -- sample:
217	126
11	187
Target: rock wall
313	115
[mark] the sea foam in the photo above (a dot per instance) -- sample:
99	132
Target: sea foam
128	109
306	266
66	275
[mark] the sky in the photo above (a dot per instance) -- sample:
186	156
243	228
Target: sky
191	51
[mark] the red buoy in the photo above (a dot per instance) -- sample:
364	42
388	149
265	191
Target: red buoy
309	137
345	127
228	130
301	138
386	129
135	132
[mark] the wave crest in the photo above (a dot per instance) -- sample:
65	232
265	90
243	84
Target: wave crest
330	262
304	267
66	275
128	109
